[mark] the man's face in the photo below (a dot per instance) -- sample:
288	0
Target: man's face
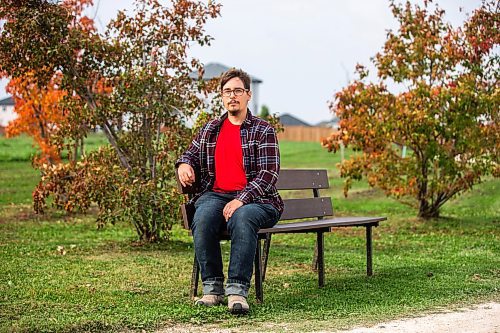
235	104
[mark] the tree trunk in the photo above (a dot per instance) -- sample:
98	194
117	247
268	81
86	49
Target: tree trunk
82	147
427	211
108	130
75	151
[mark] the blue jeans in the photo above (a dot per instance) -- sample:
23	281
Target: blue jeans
243	226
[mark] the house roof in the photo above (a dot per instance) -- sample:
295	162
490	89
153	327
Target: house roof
213	70
289	120
7	101
329	123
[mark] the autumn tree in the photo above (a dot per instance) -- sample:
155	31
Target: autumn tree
133	83
445	108
37	93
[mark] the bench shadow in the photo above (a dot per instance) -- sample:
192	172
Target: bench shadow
401	288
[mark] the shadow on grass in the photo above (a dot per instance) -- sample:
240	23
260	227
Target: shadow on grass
397	290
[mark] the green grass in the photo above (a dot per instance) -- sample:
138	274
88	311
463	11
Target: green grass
104	281
21	148
17	181
310	155
17	177
16	149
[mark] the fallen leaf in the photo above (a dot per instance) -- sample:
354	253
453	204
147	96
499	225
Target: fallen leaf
61	250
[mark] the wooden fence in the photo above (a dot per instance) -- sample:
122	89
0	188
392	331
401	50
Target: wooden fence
304	133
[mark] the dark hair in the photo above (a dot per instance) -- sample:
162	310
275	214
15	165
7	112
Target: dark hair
232	73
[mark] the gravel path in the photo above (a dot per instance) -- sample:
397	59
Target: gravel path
483	318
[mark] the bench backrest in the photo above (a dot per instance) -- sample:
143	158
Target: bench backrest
289	179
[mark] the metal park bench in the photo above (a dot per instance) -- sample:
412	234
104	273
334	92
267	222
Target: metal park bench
316	209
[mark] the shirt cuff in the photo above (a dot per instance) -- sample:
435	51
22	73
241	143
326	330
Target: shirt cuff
183	160
244	197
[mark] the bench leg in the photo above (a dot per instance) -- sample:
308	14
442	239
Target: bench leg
265	255
314	264
321	259
259	295
195	276
369	270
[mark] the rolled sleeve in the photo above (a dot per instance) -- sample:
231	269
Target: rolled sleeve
192	154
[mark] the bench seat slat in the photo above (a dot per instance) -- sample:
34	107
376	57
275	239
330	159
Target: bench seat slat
322	224
316	225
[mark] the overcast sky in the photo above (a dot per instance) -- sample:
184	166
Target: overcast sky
304	51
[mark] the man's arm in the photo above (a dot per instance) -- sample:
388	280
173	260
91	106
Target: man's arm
189	161
268	163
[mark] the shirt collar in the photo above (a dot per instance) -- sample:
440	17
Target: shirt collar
247	122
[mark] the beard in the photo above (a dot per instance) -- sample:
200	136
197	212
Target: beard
233	108
234	112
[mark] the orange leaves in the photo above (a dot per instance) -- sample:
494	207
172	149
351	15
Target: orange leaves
77	6
80	21
332	143
435	91
104	86
87	23
40	113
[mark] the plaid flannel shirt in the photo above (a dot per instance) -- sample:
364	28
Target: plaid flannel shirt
261	160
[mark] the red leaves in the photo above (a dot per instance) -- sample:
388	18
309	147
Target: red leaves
483	29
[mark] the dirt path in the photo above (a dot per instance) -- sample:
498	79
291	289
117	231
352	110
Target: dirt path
483	318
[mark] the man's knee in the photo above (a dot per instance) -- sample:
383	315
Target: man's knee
208	215
206	220
205	224
243	220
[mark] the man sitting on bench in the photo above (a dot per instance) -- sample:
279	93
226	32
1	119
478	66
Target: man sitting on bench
237	159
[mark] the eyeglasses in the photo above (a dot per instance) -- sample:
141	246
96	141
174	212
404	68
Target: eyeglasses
236	92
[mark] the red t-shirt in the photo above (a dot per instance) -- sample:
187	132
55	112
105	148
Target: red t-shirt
229	170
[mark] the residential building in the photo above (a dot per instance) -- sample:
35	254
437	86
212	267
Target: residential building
214	70
6	112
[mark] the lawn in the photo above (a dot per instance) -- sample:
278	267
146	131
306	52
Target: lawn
58	273
17	177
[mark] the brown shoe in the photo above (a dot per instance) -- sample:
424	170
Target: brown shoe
210	300
238	304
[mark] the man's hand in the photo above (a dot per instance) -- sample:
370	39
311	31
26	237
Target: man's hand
230	208
186	174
